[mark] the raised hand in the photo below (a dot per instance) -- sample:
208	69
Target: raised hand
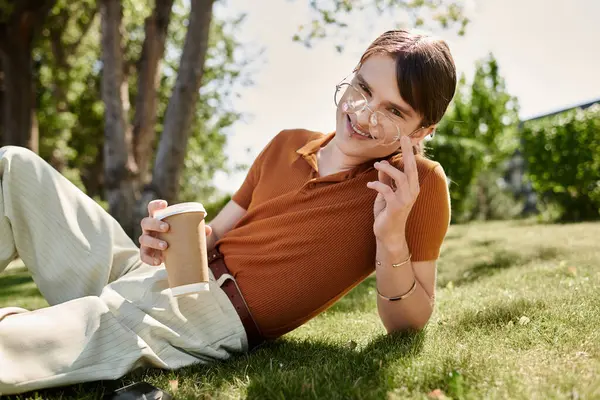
397	192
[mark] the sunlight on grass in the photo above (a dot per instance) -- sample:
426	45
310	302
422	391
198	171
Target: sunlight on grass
517	317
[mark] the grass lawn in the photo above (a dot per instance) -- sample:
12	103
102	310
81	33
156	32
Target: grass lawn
517	316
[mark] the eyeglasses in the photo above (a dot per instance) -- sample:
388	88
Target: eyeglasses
382	124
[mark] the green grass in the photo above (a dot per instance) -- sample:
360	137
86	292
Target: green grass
517	316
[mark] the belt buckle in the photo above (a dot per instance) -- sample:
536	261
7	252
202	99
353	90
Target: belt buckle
214	256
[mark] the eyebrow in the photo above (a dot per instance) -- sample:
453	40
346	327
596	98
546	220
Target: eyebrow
405	110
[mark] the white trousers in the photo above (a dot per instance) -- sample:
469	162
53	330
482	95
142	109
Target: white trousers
110	313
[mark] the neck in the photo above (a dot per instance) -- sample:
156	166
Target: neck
332	160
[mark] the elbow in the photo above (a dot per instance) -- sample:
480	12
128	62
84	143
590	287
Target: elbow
413	324
408	327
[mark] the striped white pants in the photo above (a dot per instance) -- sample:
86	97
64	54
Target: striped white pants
110	313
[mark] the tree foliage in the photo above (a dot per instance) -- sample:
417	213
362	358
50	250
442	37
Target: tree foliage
563	161
333	17
476	135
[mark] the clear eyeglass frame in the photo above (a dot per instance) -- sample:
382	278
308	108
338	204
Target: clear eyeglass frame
376	119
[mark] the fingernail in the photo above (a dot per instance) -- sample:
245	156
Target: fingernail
156	261
163	226
376	164
162	245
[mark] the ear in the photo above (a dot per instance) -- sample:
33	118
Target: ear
417	136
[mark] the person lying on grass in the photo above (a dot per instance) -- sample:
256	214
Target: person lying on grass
316	215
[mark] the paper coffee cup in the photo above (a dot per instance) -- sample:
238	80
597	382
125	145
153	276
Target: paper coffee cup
186	259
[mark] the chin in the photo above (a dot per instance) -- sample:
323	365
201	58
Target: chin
357	149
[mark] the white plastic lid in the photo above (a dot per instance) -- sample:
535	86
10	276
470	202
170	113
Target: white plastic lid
179	209
190	289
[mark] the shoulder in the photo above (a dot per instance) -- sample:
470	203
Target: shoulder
430	172
434	174
287	139
433	182
430	216
434	194
295	138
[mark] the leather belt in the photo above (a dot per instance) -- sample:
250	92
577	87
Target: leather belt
217	264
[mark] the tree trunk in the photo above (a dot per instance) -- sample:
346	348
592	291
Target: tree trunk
181	107
16	45
179	114
18	90
144	122
92	177
119	174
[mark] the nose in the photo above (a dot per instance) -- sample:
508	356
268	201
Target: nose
364	117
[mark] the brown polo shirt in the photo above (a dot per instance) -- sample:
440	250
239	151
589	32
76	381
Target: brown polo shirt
306	240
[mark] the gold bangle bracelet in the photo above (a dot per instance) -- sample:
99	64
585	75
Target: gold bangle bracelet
399	264
402	297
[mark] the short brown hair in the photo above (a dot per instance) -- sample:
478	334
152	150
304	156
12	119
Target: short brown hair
425	71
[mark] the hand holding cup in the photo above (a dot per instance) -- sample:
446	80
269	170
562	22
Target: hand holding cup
151	247
185	258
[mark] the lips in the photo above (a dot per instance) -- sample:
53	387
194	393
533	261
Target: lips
354	133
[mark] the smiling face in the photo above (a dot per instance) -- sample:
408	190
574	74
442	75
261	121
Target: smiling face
403	86
372	132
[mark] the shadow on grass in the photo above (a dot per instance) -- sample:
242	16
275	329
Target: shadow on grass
280	369
547	253
14	279
500	314
497	261
483	243
500	260
317	368
17	283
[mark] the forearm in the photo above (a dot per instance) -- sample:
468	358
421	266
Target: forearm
211	240
412	312
227	218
